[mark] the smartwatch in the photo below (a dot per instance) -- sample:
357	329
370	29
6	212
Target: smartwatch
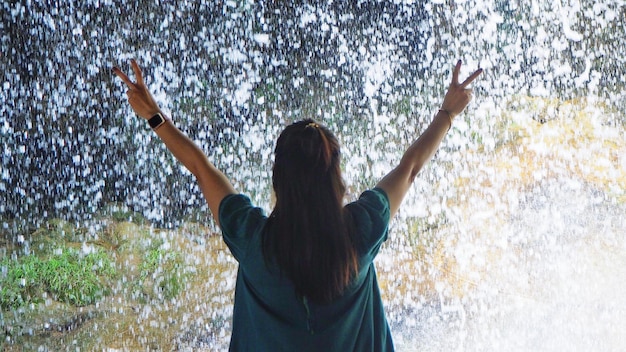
156	120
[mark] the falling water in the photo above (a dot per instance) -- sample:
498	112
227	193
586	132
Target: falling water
511	239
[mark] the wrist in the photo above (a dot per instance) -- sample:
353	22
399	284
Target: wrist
447	115
157	121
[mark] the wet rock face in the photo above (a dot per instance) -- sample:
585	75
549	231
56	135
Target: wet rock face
71	144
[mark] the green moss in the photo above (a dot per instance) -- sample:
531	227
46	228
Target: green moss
19	282
68	276
77	279
161	273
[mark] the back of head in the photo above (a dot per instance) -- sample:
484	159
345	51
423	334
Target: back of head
309	236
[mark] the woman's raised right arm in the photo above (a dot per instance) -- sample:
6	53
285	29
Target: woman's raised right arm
397	182
213	183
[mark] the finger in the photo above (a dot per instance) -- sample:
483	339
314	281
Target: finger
124	78
137	70
455	73
471	78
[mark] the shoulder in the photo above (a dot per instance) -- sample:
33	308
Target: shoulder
234	201
240	221
370	214
376	197
373	202
236	210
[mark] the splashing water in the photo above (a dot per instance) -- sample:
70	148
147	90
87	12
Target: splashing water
511	239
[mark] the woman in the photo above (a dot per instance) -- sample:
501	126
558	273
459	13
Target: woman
306	281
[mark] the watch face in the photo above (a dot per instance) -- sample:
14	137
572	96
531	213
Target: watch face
156	120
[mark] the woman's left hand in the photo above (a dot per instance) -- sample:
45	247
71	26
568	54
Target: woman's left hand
139	97
458	95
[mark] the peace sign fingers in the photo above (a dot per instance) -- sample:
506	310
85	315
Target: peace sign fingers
138	75
123	77
458	95
471	78
455	74
139	97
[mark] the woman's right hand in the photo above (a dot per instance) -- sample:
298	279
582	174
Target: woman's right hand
458	95
139	97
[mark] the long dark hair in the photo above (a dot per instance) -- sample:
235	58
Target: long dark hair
309	234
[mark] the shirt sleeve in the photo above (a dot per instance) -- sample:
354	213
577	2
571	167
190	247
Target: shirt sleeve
371	215
239	221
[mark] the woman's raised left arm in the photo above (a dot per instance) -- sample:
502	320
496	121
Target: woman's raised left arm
397	182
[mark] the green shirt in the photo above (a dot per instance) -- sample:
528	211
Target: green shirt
269	316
